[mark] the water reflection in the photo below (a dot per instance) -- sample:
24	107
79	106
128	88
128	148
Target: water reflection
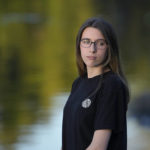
45	136
18	111
138	136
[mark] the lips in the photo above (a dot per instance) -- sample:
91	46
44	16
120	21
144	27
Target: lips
91	57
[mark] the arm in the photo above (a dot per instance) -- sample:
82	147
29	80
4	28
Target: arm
100	140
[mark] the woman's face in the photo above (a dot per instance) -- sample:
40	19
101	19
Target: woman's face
93	54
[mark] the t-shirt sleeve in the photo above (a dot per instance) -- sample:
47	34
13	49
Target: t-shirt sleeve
111	107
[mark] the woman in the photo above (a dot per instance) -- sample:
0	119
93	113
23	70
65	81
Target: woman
94	116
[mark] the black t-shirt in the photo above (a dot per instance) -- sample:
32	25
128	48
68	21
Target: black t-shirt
105	110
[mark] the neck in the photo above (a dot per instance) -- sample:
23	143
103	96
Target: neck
94	71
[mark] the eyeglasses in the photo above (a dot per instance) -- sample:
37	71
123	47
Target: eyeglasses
99	43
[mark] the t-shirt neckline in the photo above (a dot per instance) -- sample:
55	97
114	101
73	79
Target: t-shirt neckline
97	76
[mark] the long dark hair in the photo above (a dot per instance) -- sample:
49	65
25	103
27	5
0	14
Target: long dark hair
112	60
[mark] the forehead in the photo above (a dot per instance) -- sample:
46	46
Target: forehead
92	33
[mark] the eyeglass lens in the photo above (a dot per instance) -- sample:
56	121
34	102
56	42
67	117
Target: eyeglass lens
99	43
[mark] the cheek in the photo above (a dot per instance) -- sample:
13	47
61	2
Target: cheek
83	52
101	56
102	53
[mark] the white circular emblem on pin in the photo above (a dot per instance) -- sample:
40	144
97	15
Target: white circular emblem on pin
86	103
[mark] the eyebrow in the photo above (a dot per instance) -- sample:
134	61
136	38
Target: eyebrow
91	40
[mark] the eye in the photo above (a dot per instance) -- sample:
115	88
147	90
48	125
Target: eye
101	42
86	41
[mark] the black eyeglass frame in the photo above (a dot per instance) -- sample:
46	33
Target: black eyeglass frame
92	42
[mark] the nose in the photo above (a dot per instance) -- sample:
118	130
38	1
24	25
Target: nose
93	48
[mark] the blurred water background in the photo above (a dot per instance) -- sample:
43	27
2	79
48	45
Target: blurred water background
37	67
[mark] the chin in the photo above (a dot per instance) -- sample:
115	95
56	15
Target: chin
93	65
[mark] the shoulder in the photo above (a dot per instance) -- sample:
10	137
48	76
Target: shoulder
113	82
115	89
75	82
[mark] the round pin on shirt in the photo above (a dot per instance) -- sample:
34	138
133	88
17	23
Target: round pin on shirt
86	103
